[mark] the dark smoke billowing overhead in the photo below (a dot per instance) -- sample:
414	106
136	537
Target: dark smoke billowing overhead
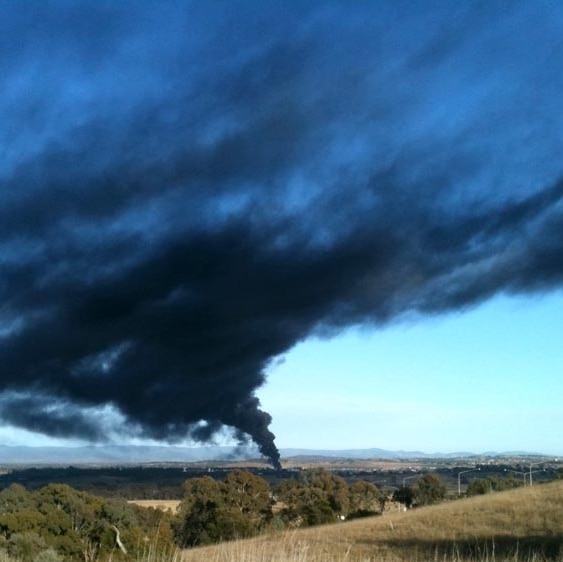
188	189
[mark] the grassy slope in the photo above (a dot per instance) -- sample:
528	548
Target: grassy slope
523	523
164	505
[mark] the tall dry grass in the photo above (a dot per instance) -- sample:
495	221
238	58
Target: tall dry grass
524	524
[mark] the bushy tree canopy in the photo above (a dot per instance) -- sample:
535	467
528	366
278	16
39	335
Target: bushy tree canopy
404	495
365	497
429	489
57	521
213	511
481	486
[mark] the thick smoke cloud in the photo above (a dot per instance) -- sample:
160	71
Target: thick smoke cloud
190	189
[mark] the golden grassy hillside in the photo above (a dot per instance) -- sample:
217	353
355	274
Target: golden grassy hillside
525	524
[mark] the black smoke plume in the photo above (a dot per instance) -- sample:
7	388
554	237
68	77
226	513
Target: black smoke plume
189	189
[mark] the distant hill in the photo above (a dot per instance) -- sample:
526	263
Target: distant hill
129	454
362	454
118	454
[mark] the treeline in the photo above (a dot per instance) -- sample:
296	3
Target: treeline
114	482
243	505
429	489
481	486
57	523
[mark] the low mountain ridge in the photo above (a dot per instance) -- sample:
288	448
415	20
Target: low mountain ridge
137	454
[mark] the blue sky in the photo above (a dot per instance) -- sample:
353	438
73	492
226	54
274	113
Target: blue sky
190	191
486	379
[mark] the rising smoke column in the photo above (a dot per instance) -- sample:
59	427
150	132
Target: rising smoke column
188	193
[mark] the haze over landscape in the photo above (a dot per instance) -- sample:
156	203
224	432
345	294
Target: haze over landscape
313	225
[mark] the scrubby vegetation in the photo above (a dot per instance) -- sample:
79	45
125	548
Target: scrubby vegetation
243	505
428	490
510	526
213	511
256	523
490	484
59	523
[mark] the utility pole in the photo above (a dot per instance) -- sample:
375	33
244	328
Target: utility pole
459	478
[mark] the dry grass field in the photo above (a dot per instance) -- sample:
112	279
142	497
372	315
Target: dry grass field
353	464
523	524
164	505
